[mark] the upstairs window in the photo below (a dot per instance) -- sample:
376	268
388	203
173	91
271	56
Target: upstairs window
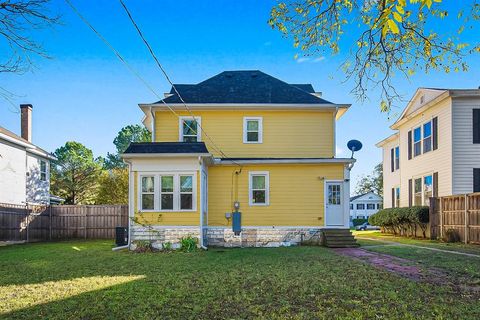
252	130
417	141
370	206
360	206
190	129
43	170
397	158
148	193
427	137
259	188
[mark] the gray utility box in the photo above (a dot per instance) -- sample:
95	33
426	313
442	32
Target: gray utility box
237	223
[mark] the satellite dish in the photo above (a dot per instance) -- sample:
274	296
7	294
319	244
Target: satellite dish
354	145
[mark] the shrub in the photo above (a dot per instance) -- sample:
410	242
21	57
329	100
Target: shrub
143	246
357	222
402	220
188	244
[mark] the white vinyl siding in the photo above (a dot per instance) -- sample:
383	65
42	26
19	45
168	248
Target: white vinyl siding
466	154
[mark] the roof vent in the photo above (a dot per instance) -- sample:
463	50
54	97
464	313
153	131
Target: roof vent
228	75
254	75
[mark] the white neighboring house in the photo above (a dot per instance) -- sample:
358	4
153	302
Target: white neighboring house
364	205
24	167
435	150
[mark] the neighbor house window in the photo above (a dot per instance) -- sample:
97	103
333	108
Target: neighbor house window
148	193
370	206
417	141
360	206
190	129
186	192
427	137
252	130
166	192
417	193
43	170
397	158
351	206
259	188
427	189
379	206
397	197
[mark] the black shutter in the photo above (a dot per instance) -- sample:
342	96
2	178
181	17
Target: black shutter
435	184
435	133
476	179
410	192
476	125
392	159
409	144
393	197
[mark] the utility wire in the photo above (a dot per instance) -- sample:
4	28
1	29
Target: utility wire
130	68
152	53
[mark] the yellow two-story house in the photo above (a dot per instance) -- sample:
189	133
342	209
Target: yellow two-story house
241	141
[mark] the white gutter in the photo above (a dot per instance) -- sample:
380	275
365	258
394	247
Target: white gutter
162	155
218	161
234	106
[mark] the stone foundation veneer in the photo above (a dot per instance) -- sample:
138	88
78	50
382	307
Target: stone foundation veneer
262	236
224	237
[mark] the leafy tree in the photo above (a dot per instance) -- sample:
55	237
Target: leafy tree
128	134
385	37
18	18
75	173
113	187
372	182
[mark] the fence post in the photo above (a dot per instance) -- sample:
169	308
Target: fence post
27	222
86	221
50	222
431	217
466	219
441	217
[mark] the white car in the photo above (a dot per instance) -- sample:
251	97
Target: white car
366	226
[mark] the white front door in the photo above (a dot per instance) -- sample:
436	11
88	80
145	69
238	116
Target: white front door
334	204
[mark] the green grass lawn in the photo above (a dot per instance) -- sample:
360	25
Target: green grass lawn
461	247
86	280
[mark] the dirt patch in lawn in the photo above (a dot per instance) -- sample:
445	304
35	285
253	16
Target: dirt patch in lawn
412	270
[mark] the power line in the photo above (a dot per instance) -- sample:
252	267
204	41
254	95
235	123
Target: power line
152	53
131	69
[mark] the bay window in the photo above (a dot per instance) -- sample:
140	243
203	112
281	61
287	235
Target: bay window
148	193
168	192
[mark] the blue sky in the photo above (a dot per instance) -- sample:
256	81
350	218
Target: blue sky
85	93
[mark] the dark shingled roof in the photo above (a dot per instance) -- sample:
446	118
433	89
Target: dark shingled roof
250	86
166	147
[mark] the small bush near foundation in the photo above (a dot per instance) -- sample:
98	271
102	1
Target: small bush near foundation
167	246
188	244
451	235
143	246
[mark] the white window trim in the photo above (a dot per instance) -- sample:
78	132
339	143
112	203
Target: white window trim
422	137
176	190
422	179
260	129
267	187
140	192
180	127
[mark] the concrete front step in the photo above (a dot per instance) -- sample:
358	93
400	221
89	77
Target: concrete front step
339	238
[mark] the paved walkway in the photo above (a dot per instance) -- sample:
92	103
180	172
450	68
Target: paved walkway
391	243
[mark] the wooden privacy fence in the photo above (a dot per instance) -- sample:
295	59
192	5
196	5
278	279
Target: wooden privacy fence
42	223
459	213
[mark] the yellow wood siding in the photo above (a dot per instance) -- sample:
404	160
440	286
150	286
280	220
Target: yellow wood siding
296	194
285	133
167	218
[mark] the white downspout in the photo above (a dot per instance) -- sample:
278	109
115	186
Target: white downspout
202	201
